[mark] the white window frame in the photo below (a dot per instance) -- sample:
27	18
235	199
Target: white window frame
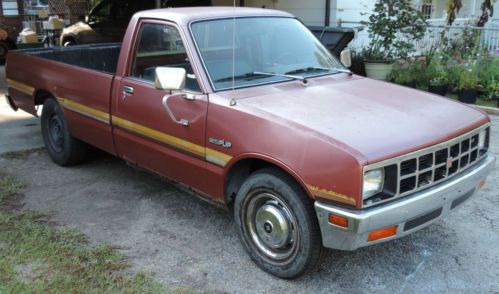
10	8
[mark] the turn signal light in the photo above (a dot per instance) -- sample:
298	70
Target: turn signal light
381	234
338	221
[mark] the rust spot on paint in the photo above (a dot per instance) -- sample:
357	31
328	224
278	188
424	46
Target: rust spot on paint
324	193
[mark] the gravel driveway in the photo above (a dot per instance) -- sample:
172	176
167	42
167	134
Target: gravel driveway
187	242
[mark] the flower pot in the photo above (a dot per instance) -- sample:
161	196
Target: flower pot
468	96
439	90
496	98
378	70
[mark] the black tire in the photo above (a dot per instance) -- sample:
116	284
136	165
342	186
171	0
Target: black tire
267	203
64	149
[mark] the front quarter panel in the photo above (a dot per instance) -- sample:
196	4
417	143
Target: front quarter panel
326	169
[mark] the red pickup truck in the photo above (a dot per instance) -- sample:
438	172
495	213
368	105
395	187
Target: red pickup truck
248	109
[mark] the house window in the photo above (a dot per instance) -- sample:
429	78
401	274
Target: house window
9	8
427	8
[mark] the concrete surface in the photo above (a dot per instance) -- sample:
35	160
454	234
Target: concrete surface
187	242
489	110
18	130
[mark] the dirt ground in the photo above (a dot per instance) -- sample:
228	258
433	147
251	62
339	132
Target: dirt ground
187	242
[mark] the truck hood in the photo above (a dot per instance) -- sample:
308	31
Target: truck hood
379	120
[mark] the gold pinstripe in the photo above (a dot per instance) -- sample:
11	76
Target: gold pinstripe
211	155
159	136
20	86
84	110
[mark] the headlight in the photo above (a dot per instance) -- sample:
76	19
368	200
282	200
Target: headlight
373	182
482	139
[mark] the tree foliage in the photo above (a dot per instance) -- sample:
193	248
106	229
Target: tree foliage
393	26
454	6
487	8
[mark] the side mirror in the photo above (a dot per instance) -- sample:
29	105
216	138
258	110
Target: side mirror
346	58
170	78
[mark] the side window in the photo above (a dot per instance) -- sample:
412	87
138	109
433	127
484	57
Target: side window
160	45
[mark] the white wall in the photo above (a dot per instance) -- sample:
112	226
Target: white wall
349	10
311	12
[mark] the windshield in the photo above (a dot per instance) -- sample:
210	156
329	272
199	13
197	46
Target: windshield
263	46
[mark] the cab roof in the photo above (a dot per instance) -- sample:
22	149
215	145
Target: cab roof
186	15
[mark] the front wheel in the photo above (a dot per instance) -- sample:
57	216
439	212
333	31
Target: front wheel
64	149
277	224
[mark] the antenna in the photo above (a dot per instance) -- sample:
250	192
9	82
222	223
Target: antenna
233	100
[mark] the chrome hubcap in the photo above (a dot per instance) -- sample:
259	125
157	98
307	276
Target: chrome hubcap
271	227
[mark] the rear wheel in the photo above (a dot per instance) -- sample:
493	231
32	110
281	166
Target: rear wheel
277	224
64	149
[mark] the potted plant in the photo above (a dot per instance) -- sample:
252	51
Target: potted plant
438	83
493	89
402	78
392	27
453	69
402	75
437	77
467	86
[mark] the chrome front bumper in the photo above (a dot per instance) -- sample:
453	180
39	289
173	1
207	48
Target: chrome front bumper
409	214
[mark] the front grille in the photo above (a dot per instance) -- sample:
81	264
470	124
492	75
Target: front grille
427	167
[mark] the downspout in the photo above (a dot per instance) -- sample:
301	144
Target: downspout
328	13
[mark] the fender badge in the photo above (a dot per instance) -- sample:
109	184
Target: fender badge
221	143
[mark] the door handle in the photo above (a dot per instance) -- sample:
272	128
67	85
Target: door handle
128	90
182	121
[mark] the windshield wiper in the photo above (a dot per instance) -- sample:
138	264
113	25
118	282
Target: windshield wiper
307	69
257	74
248	75
311	68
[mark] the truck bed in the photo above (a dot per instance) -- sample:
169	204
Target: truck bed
79	77
99	57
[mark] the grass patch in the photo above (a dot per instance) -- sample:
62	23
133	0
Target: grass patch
9	186
37	258
22	154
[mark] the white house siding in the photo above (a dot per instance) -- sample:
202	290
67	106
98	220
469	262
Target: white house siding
312	12
349	10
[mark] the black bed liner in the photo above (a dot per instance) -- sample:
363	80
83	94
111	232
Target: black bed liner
99	57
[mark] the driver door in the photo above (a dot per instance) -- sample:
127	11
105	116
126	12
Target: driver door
144	132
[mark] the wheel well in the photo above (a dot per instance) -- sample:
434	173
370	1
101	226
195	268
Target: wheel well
239	172
41	96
